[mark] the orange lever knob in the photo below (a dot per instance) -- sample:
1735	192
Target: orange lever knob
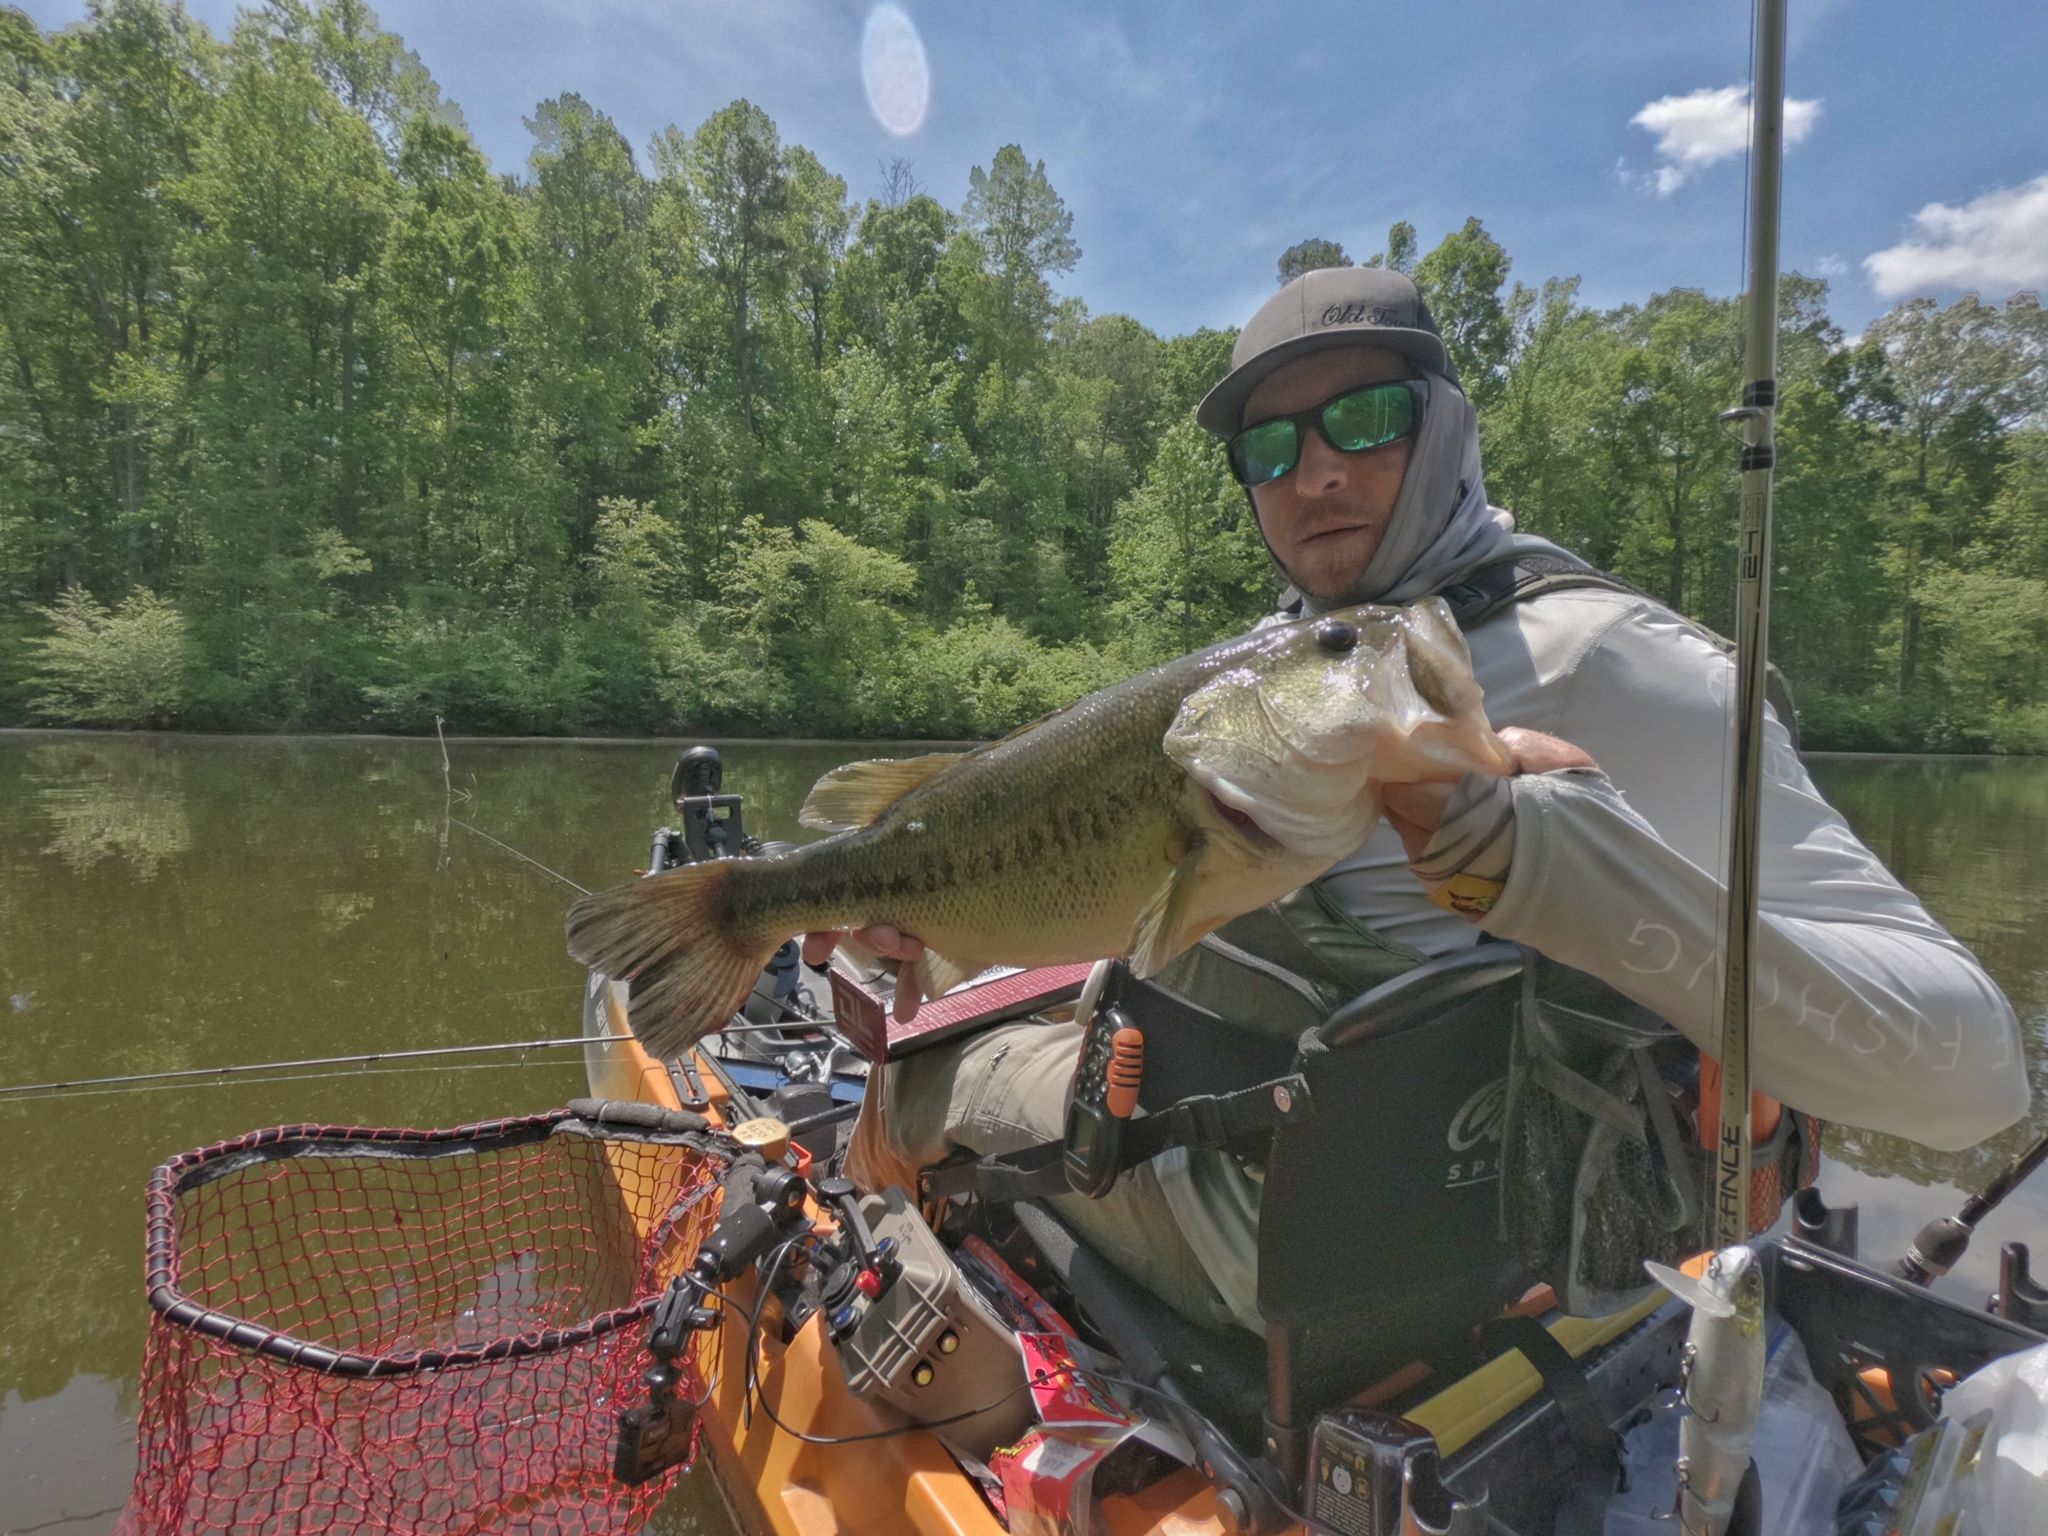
1126	1071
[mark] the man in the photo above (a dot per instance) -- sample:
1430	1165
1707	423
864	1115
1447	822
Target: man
1360	454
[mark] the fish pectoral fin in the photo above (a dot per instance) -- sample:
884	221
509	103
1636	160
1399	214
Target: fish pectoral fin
939	974
1161	930
1689	1290
856	794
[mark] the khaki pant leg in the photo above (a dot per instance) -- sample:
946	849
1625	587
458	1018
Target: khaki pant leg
1005	1089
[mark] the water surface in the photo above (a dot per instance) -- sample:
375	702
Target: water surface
172	902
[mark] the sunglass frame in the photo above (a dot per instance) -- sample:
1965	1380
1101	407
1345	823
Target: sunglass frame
1313	417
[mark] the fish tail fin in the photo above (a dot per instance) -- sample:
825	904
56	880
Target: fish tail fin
669	938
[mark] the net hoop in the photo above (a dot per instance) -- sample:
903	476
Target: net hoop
189	1170
359	1330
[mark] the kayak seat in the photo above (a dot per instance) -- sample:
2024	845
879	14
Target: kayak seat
1223	1374
1379	1228
1379	1224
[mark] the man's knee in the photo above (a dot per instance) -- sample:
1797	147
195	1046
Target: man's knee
996	1091
1005	1089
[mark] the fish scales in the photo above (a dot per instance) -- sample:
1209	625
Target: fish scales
1068	777
1129	823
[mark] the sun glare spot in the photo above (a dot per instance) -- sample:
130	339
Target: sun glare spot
893	68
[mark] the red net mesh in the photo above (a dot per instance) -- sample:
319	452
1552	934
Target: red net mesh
408	1331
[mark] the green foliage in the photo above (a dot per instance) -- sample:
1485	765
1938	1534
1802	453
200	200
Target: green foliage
482	673
1994	626
1025	234
713	679
1186	553
1310	255
982	676
97	666
702	443
1461	281
1400	251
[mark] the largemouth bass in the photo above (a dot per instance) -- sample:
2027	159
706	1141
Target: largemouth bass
1130	823
1724	1384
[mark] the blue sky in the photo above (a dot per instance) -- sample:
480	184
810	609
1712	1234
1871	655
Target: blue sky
1194	143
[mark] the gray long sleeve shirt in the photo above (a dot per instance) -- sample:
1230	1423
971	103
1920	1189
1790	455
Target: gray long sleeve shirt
1868	1011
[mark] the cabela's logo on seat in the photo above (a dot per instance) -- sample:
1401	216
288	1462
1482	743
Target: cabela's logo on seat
1479	1119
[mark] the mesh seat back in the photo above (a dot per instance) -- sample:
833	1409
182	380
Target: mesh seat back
1379	1223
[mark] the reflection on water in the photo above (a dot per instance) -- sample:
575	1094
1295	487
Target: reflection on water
175	902
111	803
179	902
1971	838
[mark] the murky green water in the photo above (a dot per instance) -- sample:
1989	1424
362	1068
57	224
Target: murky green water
178	902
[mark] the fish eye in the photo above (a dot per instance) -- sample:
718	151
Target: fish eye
1335	636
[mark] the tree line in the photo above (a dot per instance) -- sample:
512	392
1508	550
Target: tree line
309	419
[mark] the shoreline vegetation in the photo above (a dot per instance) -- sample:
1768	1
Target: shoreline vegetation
683	736
312	422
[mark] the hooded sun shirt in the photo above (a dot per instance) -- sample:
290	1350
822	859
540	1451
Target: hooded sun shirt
1442	525
1875	1015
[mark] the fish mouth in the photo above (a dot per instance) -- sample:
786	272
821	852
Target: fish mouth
1246	824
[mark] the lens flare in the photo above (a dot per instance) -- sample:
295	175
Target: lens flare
893	68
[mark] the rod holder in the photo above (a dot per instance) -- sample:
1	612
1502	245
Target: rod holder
1833	1227
2020	1298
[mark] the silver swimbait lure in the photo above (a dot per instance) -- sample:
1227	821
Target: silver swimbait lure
1724	1383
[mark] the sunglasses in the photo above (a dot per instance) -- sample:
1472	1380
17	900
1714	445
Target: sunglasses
1357	421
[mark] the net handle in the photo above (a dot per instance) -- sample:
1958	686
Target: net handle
189	1170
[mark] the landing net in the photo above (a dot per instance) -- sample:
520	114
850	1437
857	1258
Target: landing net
403	1331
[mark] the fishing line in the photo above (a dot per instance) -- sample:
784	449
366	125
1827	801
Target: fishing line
583	891
288	1071
457	821
357	1075
245	1069
51	1525
526	858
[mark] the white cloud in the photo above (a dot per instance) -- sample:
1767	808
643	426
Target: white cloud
1997	241
1829	266
1701	127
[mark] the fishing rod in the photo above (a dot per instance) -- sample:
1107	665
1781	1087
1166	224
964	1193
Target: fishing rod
1943	1241
1755	417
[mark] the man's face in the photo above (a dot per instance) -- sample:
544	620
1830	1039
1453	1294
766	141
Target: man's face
1326	516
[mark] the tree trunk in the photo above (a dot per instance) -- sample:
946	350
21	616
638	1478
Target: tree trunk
1909	605
345	512
1909	615
1677	578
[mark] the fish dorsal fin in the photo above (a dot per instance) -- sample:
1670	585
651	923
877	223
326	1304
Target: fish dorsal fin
1157	936
1029	726
857	794
1690	1291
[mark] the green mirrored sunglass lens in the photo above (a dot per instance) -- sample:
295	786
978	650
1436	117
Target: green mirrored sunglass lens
1369	418
1266	452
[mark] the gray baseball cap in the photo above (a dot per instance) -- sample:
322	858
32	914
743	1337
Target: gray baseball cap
1330	307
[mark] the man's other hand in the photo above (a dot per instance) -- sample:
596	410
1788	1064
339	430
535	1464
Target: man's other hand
905	949
1417	810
